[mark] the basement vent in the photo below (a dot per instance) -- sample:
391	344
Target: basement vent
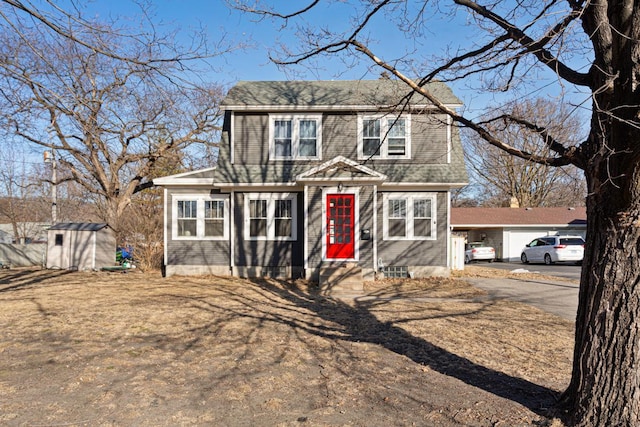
396	272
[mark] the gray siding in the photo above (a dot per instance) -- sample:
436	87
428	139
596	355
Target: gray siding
340	138
366	222
416	252
268	252
316	222
428	138
193	252
251	138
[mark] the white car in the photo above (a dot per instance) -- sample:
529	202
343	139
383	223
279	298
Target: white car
550	249
477	251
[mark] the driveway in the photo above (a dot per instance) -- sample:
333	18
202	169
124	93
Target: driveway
567	271
559	297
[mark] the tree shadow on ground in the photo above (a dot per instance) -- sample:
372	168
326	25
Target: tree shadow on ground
14	280
356	322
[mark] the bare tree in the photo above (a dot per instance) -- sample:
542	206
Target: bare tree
18	203
591	47
498	177
98	97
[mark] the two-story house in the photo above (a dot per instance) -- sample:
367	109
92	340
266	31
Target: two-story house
318	174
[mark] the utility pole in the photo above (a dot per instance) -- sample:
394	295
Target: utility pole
50	157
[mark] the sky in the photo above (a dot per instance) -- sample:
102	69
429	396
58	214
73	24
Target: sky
262	36
449	30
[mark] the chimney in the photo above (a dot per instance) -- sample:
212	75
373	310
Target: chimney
513	203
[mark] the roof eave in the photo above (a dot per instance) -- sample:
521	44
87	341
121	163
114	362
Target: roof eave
267	108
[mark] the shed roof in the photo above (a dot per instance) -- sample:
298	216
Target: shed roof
329	94
493	217
79	226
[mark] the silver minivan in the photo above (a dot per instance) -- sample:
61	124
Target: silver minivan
550	249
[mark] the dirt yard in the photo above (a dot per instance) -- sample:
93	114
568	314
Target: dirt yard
113	349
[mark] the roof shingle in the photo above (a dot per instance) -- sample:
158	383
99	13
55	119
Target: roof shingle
519	216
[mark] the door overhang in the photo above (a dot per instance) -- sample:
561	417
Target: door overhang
341	169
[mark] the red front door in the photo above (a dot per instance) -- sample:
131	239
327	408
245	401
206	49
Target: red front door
340	226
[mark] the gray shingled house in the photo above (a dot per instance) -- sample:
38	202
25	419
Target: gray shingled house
314	175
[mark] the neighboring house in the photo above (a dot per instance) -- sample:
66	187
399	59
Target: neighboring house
508	230
320	174
34	232
81	246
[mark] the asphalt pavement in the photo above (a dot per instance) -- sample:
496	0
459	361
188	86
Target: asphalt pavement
558	297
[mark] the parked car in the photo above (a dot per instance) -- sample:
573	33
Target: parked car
476	251
550	249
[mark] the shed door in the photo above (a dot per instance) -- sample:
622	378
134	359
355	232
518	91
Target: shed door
340	226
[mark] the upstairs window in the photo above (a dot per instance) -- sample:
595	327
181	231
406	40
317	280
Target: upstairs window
384	137
295	137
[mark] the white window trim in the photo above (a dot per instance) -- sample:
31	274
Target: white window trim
200	219
409	197
271	210
295	136
384	154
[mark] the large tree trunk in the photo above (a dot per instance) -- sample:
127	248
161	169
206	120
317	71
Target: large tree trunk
605	385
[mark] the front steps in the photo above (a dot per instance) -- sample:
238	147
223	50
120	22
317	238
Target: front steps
345	279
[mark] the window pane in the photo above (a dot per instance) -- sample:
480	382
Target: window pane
214	209
187	227
187	213
308	148
397	208
283	227
371	137
371	147
397	218
258	227
371	128
397	128
258	218
308	138
283	209
397	227
283	218
422	227
396	137
282	138
258	209
187	209
422	208
214	227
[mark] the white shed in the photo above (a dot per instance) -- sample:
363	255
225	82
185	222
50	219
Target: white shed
81	246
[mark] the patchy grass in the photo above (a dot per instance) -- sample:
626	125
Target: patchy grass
139	349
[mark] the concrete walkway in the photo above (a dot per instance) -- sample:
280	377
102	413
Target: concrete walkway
557	297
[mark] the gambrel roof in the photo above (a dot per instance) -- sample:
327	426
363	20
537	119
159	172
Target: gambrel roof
329	95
